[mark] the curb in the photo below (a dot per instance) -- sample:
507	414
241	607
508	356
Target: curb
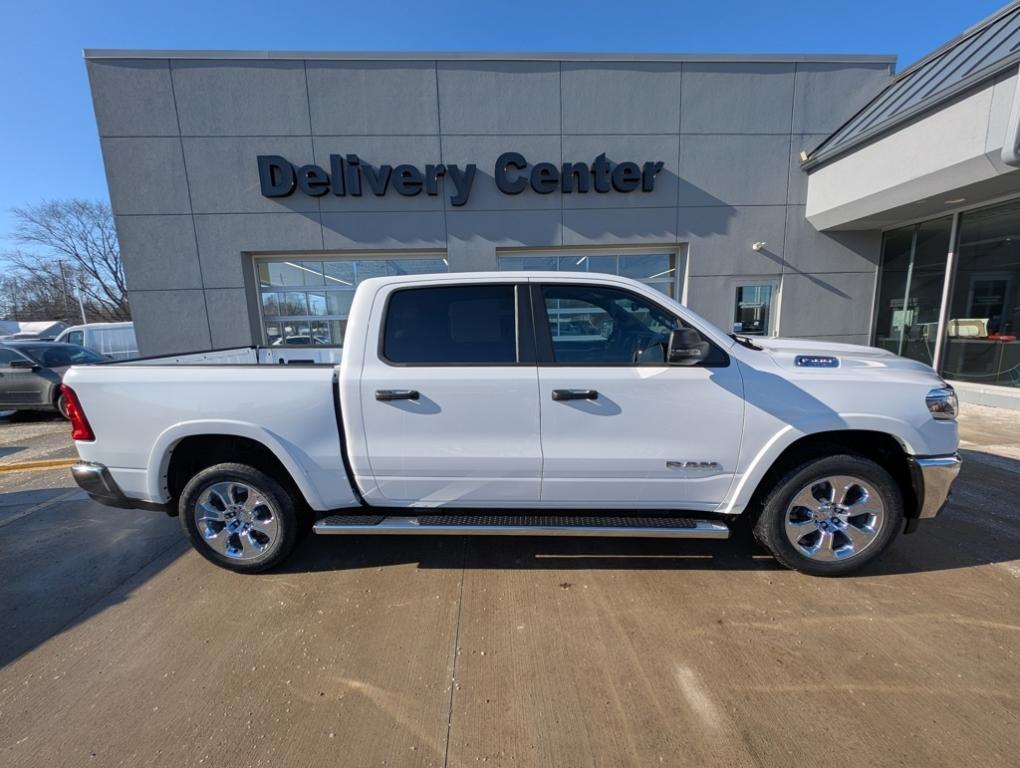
26	466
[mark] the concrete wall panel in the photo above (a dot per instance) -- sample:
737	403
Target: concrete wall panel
720	239
619	148
241	98
644	97
223	238
616	226
808	250
734	170
133	97
223	174
227	309
829	94
389	230
499	97
737	97
827	304
474	236
159	252
146	175
373	98
168	322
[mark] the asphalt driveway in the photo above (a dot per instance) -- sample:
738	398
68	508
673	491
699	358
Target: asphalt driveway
120	646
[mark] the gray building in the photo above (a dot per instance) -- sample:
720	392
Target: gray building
253	190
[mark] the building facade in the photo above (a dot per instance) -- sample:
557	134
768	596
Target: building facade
253	191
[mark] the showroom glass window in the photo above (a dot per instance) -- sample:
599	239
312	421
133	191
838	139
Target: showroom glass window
307	302
910	291
655	269
983	321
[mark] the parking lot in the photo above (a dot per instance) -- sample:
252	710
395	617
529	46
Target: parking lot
120	646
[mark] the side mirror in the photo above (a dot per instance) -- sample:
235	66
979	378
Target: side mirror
26	365
686	347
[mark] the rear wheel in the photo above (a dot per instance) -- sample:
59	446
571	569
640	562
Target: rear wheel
61	404
831	516
238	517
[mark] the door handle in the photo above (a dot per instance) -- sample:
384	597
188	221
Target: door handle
574	394
396	394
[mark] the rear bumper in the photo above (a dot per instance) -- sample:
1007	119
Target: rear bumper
98	483
932	478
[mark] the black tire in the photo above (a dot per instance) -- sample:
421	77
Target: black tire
770	528
278	510
61	406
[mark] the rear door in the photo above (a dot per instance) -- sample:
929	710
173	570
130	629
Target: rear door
449	398
620	428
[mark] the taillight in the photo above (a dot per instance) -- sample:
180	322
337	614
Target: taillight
80	427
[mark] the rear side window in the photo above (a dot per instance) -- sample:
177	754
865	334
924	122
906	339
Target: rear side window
455	325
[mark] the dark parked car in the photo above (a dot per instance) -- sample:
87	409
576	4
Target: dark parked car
31	372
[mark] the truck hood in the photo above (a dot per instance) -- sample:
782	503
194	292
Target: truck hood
853	357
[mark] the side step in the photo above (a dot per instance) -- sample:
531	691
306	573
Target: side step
648	526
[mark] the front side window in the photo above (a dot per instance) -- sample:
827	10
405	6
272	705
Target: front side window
596	325
454	325
7	355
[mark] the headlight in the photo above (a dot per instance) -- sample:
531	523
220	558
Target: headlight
942	403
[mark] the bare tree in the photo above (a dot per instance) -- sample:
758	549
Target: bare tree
69	248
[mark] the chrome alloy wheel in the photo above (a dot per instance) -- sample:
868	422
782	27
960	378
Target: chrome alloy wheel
834	518
236	520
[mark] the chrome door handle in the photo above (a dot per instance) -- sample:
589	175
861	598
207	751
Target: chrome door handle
396	394
574	394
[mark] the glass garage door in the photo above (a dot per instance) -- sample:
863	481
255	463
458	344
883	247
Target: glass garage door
306	302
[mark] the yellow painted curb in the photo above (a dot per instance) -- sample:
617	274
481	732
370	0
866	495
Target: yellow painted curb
25	466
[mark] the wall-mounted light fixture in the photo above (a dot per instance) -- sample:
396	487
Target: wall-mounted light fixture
759	245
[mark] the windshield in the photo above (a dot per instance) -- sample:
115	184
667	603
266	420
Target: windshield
61	355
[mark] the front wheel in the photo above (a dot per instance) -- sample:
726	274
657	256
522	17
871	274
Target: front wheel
831	516
238	517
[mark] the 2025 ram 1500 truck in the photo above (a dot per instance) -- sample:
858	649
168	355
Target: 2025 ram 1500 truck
526	404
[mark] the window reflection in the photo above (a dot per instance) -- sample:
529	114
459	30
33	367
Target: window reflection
319	316
657	270
910	293
984	311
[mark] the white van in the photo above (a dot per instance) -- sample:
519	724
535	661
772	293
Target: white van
116	340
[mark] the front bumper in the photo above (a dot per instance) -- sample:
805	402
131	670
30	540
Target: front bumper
932	478
96	481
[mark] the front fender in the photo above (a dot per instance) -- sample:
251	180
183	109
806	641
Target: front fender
162	450
929	438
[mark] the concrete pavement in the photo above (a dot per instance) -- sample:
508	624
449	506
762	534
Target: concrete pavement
120	646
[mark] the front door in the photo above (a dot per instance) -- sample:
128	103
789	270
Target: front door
450	400
20	386
621	428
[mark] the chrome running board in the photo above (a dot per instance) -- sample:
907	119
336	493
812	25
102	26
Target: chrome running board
512	524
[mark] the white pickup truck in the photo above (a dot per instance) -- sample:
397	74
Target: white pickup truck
526	404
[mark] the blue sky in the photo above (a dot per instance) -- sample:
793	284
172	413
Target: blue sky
48	132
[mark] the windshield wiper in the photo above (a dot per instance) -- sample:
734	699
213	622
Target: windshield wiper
744	341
